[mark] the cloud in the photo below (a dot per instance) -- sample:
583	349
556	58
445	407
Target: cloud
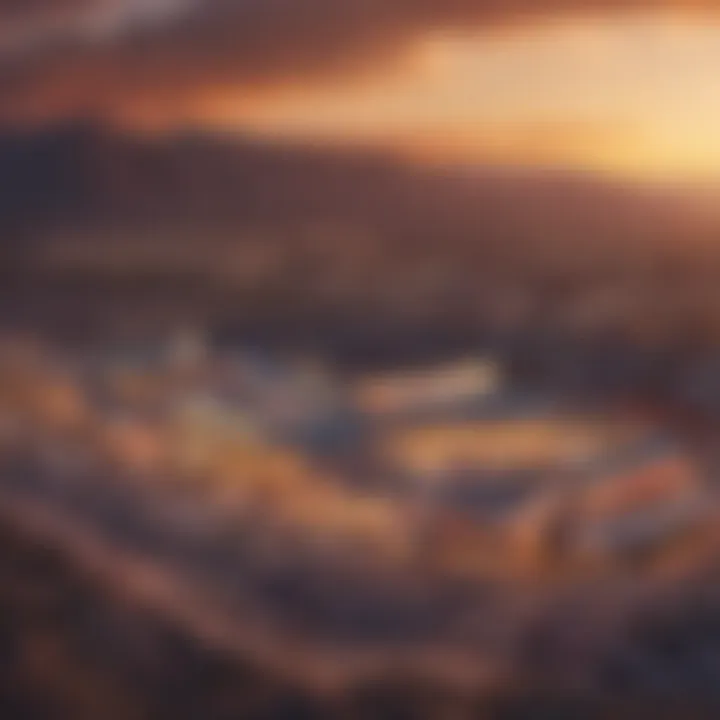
14	12
140	58
32	23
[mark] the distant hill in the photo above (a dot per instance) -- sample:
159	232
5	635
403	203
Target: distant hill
310	245
80	180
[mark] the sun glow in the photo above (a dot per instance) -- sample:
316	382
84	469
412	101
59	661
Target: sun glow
631	98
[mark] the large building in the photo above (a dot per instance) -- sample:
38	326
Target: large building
511	497
640	505
397	393
441	448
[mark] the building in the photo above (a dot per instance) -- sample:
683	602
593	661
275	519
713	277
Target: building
203	429
642	504
407	391
526	444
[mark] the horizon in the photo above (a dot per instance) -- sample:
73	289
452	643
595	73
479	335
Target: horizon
359	359
624	92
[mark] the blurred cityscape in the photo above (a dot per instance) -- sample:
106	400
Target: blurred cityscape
433	519
359	359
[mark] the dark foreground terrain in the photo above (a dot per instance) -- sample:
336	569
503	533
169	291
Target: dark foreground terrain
71	649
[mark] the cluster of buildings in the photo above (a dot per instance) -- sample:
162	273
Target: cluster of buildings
536	520
456	468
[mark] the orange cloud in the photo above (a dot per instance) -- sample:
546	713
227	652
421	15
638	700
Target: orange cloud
190	49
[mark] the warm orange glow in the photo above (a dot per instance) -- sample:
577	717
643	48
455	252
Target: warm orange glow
633	98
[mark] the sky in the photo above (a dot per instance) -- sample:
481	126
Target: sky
621	88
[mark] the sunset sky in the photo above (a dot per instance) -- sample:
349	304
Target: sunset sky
628	89
635	96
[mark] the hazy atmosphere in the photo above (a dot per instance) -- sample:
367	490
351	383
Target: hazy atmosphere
359	359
